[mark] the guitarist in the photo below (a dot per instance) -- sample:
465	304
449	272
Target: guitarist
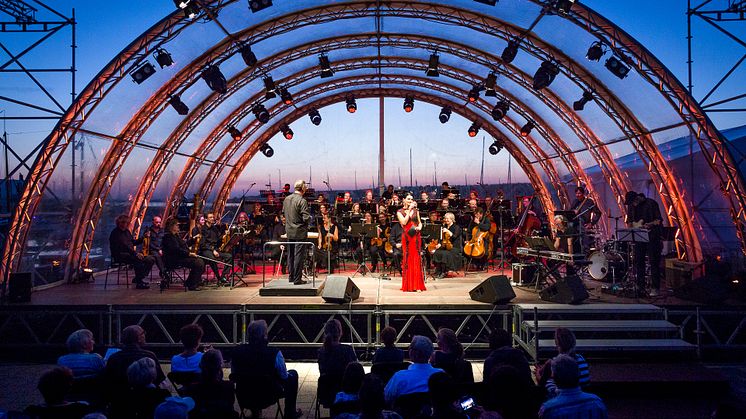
645	213
448	259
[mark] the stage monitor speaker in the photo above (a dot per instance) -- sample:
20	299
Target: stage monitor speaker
707	290
494	290
19	287
567	291
340	290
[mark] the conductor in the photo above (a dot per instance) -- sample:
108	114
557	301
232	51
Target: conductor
297	217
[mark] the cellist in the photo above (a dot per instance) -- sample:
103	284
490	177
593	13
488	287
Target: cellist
476	247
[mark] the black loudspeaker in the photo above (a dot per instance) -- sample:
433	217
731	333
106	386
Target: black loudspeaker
568	291
707	290
19	287
340	290
495	290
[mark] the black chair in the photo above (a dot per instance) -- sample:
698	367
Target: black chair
257	392
88	389
386	370
462	373
120	267
171	274
183	378
327	388
414	406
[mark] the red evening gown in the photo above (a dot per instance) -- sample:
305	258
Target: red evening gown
412	279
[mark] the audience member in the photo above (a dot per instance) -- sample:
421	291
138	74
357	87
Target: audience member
144	396
174	408
509	394
351	381
256	358
54	386
333	355
189	359
81	359
413	379
450	357
571	402
503	353
372	401
565	341
388	352
444	397
213	397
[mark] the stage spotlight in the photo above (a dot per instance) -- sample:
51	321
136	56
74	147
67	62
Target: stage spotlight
495	148
473	94
526	129
190	7
617	67
163	58
315	117
257	5
286	131
326	68
286	97
501	108
408	104
351	104
261	113
86	275
445	114
563	6
248	55
487	2
595	51
267	150
143	72
489	84
215	79
180	107
269	86
545	75
510	51
432	66
578	105
234	133
474	129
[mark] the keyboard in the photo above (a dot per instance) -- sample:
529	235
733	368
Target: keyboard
551	254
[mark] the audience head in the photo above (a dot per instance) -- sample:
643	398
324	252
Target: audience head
388	336
443	390
420	349
448	342
55	384
80	341
141	373
191	336
174	408
372	401
332	332
95	415
257	332
565	340
212	365
565	371
353	378
500	338
133	335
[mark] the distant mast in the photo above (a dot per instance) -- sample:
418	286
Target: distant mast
481	171
355	179
410	167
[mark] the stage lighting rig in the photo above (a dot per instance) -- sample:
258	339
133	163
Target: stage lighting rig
351	104
143	72
408	104
326	67
215	79
267	150
489	84
545	75
269	87
248	55
234	133
595	51
510	51
474	129
501	108
286	131
180	107
445	114
563	6
495	147
286	97
473	94
190	7
315	117
163	58
432	65
257	5
261	113
526	129
617	67
578	105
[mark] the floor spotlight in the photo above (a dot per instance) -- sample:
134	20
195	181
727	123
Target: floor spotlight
234	133
257	5
163	58
501	108
180	107
595	51
269	87
267	150
351	104
315	117
248	55
143	72
286	131
617	67
445	114
408	104
432	66
474	94
474	129
489	84
326	67
578	105
495	148
526	129
510	51
286	97
545	75
215	79
261	113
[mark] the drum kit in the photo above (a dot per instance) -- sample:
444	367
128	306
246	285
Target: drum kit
611	260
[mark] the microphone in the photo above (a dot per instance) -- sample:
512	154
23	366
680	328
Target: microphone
325	182
253	183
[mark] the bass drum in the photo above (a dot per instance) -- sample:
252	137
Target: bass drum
606	266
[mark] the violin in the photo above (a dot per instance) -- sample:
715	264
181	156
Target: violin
445	242
146	243
379	241
197	240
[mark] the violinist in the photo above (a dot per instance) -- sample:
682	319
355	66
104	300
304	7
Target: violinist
285	190
347	198
395	201
328	242
424	197
474	195
477	232
246	233
445	205
155	232
122	247
368	203
446	257
210	248
388	194
258	219
176	254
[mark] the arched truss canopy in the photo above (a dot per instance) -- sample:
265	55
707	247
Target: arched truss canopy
465	33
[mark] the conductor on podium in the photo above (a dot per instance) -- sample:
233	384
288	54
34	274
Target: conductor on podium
297	217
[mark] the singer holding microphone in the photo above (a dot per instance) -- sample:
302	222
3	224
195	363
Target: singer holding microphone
411	239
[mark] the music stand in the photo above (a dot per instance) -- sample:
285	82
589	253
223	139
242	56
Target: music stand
363	232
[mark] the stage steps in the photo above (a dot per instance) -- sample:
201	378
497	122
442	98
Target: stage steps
600	329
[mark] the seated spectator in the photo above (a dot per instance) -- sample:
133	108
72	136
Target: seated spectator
333	355
54	386
189	359
565	341
144	396
351	381
450	357
81	359
571	401
508	394
503	353
174	408
413	379
213	396
256	358
372	401
388	352
444	397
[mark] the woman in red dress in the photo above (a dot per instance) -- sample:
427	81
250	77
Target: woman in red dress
411	239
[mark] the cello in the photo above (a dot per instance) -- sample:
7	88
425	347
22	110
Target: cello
527	223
